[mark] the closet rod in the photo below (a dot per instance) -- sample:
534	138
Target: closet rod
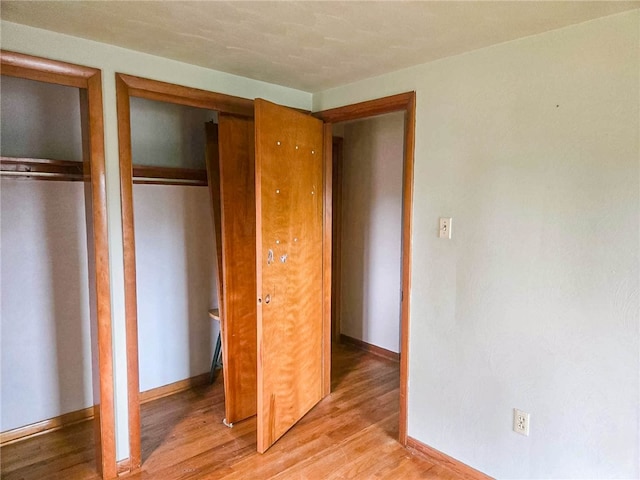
48	175
169	175
41	168
80	177
167	181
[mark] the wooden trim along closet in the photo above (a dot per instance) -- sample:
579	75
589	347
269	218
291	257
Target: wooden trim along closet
128	86
89	81
403	102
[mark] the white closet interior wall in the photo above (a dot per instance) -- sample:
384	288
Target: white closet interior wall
175	245
45	346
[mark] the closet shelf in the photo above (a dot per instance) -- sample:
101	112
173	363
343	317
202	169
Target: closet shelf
50	169
41	168
169	176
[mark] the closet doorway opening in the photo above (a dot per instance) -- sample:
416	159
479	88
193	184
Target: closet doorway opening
170	278
367	243
372	194
56	321
175	257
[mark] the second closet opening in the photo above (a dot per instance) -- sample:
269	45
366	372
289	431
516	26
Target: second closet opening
175	255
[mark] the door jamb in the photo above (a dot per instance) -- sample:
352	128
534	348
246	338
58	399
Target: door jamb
128	86
89	81
336	207
403	102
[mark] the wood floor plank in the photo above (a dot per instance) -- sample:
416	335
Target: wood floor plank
337	456
351	434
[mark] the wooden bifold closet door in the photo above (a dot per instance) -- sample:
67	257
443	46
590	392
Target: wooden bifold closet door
231	164
271	256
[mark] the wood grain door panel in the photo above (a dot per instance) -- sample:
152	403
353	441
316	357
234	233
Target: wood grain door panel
237	226
289	236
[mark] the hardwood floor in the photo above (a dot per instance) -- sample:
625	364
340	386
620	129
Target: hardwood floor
351	434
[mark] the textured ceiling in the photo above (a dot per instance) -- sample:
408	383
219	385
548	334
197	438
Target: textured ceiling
311	46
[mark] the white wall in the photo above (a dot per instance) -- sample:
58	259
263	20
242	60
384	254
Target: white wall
175	263
176	282
168	135
44	311
532	147
45	335
45	341
371	230
27	132
111	59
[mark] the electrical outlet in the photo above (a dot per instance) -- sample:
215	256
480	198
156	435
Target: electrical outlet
521	422
445	227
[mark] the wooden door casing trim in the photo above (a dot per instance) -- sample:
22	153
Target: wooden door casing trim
327	249
192	97
370	108
128	86
89	80
129	263
403	102
45	70
336	264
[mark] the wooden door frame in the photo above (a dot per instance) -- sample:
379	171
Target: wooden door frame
128	86
337	144
403	102
89	81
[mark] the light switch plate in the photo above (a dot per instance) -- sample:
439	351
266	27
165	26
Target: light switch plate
445	227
